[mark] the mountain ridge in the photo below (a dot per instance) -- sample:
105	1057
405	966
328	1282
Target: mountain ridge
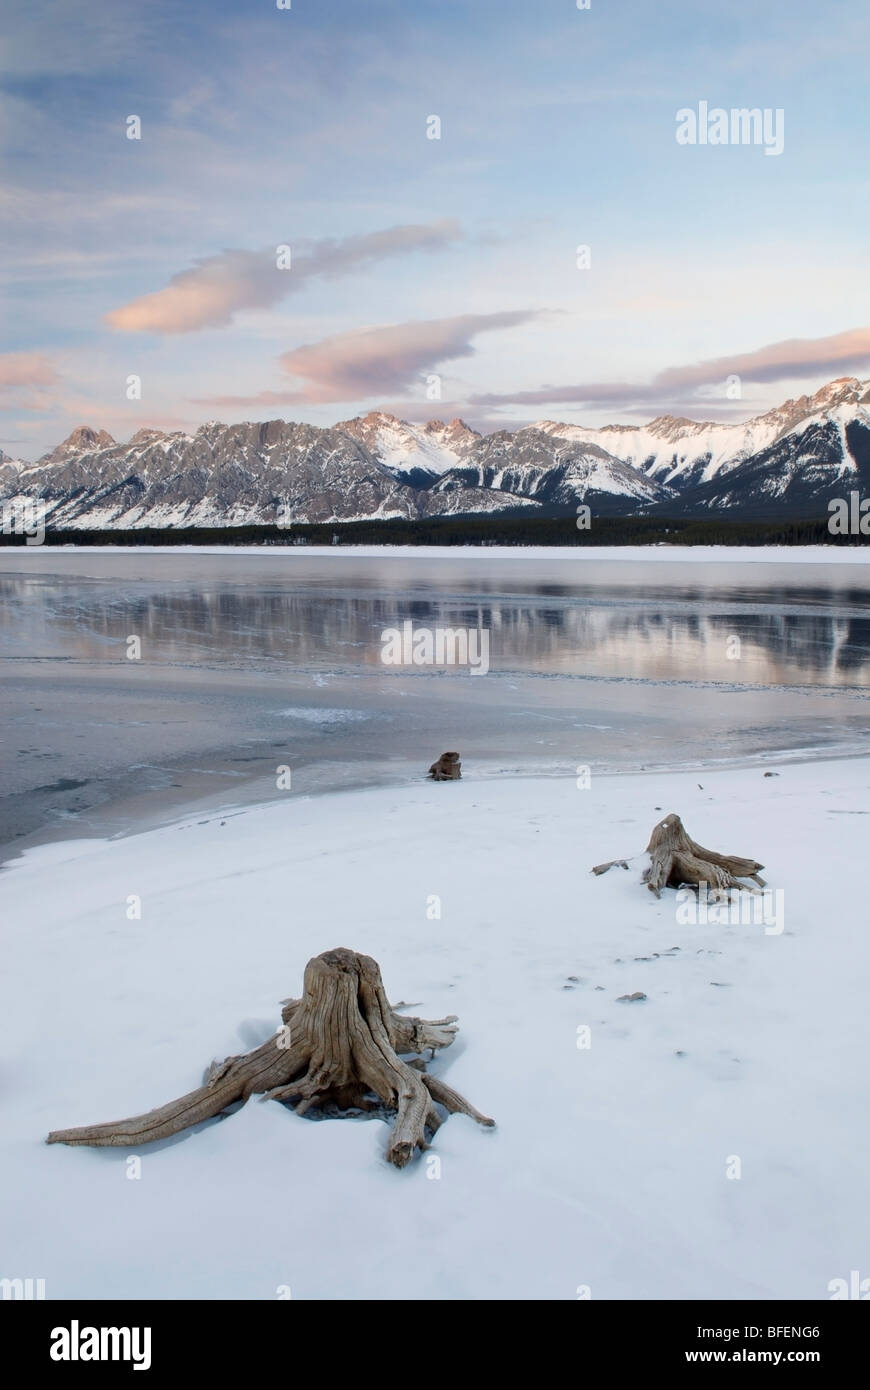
789	460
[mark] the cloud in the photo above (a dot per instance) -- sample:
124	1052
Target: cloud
217	287
792	358
25	369
24	381
603	391
377	361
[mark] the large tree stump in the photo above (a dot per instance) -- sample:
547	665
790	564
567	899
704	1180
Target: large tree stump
339	1048
447	769
675	860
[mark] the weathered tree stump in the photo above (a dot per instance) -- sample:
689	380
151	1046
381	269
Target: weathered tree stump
675	859
339	1048
447	768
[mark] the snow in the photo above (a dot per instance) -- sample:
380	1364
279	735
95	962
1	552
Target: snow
400	445
608	1165
697	554
315	715
668	447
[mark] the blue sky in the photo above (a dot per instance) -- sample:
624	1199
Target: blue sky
415	258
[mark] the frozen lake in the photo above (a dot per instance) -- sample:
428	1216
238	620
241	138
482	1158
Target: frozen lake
251	662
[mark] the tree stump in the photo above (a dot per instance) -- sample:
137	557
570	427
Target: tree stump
675	860
447	768
339	1048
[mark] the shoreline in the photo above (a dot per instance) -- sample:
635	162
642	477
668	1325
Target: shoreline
824	554
175	814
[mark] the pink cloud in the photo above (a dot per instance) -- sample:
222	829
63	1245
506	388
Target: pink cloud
25	369
218	287
792	358
377	361
28	381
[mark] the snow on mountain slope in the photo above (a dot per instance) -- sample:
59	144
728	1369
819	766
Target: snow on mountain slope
686	453
10	473
411	451
831	457
231	475
553	471
221	475
455	498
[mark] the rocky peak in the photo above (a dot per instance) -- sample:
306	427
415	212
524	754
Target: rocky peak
375	420
84	438
145	435
844	388
672	426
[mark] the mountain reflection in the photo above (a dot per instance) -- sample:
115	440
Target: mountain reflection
802	636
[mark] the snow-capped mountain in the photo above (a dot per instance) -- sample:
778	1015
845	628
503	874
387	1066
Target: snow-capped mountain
9	468
554	472
223	475
789	462
415	454
824	428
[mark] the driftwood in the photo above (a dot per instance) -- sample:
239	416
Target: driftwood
611	864
338	1049
676	859
447	768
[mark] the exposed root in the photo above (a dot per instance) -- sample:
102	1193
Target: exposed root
677	861
339	1046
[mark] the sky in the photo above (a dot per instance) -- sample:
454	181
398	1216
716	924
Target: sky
287	240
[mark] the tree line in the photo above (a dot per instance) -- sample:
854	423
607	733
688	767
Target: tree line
473	530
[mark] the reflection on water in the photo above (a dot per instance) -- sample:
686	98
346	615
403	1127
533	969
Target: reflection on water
792	640
245	658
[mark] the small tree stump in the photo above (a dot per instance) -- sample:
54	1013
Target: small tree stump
675	859
338	1047
447	768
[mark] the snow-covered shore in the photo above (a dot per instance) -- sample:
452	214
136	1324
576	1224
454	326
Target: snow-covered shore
788	554
609	1167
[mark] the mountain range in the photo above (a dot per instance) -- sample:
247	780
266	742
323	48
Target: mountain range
786	463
